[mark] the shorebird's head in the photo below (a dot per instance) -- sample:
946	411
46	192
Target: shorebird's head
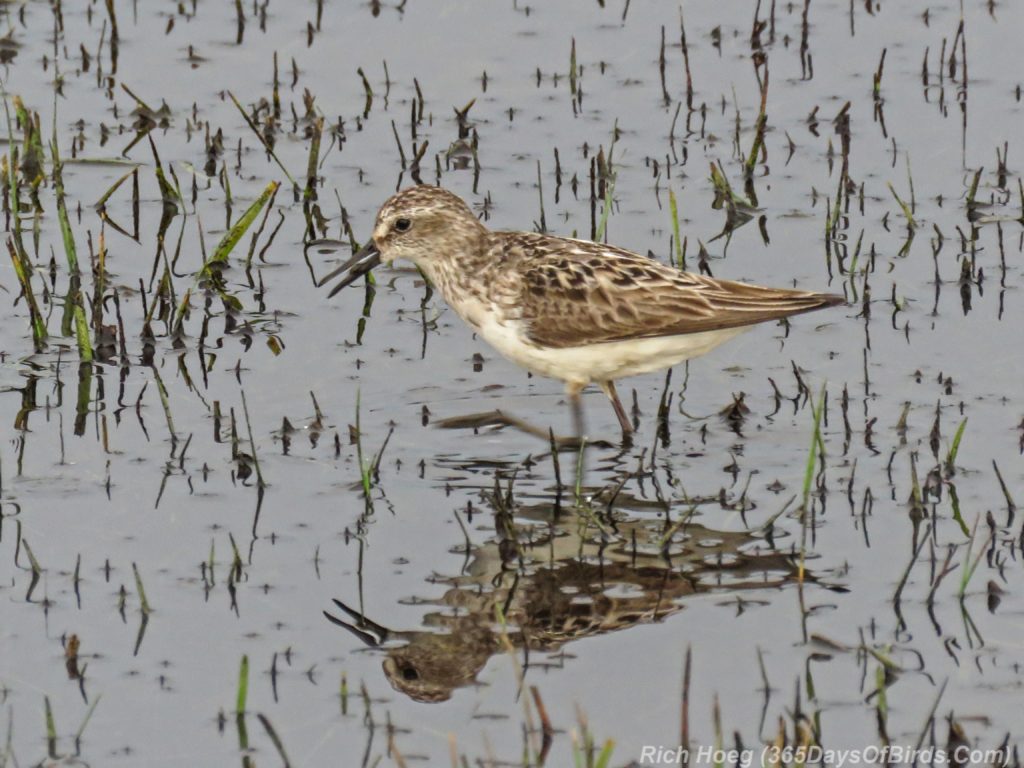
420	224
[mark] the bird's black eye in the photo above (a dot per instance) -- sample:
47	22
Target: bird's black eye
402	225
410	673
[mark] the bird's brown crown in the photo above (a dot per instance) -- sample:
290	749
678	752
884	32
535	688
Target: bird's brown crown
422	199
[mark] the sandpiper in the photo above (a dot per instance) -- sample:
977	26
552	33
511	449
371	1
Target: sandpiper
575	310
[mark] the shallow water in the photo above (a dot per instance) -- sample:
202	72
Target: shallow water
673	545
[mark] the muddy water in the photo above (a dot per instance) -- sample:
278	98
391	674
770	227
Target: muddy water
674	544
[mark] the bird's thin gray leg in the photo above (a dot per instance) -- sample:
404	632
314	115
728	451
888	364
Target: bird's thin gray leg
608	387
576	403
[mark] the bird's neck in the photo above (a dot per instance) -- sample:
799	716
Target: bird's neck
461	273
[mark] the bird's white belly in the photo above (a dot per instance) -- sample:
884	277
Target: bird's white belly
604	361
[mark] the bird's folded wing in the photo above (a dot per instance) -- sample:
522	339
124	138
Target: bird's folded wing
585	298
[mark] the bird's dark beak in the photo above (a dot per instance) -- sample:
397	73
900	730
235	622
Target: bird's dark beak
370	632
365	259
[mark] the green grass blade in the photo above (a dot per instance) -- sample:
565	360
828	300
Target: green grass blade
143	601
314	160
24	276
233	235
243	685
817	447
603	224
673	207
88	717
955	447
911	222
51	727
812	456
82	331
71	253
604	758
223	251
62	210
259	135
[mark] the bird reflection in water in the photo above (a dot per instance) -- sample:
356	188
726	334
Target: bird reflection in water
558	576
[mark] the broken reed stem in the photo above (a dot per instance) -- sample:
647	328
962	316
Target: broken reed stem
762	122
540	193
368	90
606	210
973	191
686	59
572	68
137	99
1011	507
252	442
165	403
114	37
398	141
877	78
314	159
